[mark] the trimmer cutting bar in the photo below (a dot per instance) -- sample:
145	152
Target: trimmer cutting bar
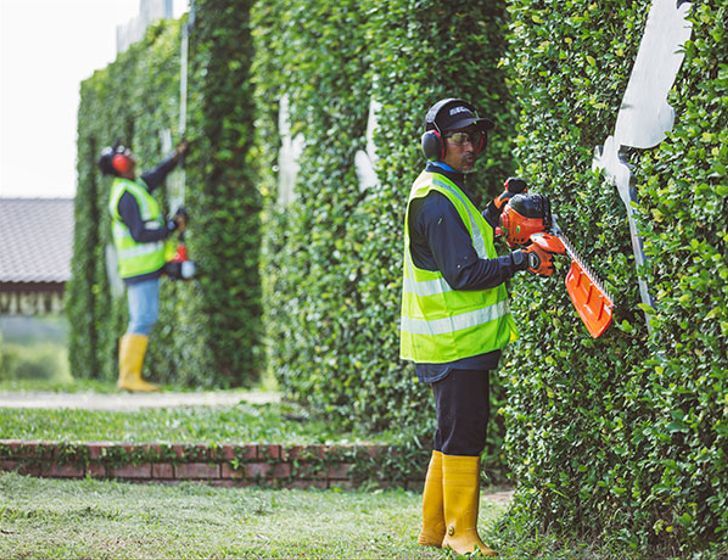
527	221
575	256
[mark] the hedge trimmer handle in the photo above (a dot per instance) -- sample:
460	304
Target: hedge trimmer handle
511	186
540	261
549	243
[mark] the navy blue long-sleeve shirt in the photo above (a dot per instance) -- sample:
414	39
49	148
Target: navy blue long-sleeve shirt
440	241
132	217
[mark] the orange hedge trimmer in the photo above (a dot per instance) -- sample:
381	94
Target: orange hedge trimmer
527	221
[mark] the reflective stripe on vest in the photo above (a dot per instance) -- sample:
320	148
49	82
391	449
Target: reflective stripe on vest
135	258
439	324
457	322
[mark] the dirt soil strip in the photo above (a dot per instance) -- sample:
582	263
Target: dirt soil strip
129	401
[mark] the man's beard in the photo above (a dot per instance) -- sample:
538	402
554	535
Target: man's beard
472	161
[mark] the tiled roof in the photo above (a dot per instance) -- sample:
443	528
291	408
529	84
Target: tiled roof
36	239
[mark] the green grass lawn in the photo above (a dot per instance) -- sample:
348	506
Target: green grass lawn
90	519
243	423
93	519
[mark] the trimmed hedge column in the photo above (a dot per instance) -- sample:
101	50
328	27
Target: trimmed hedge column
622	439
224	306
332	257
315	55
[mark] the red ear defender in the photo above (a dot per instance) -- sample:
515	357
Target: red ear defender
121	163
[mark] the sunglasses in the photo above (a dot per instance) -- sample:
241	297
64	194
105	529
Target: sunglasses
462	138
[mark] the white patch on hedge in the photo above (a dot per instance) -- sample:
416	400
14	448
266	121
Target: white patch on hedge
365	161
645	117
288	156
116	284
176	179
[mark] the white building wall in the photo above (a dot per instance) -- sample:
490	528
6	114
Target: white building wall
149	12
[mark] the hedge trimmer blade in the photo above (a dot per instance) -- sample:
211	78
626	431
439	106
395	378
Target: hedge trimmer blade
587	292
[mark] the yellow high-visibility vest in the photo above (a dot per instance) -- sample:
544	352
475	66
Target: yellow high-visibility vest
438	323
135	258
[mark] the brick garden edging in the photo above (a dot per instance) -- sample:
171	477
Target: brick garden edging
295	466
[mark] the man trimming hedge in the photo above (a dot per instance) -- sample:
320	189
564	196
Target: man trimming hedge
139	233
455	317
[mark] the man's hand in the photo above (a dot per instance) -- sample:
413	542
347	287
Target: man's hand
180	219
182	148
512	186
540	262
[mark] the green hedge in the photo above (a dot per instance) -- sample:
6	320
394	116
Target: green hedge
622	439
47	361
223	201
332	258
209	328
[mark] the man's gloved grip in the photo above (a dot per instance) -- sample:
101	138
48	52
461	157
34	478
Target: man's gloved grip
515	185
182	148
180	219
519	260
540	262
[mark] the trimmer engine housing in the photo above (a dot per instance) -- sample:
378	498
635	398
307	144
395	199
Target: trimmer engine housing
524	215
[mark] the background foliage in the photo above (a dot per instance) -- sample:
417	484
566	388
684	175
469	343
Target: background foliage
622	439
34	348
202	337
332	259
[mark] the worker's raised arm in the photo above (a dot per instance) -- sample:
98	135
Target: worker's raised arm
156	177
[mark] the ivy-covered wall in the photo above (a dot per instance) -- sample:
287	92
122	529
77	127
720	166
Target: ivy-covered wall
332	256
208	333
622	439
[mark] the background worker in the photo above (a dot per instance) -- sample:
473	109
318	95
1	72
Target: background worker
139	231
455	316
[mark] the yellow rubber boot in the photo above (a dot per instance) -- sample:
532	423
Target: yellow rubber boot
461	493
132	348
433	516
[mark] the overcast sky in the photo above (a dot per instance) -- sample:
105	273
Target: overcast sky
47	47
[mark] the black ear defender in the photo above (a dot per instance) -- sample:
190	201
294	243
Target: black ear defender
104	162
433	146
